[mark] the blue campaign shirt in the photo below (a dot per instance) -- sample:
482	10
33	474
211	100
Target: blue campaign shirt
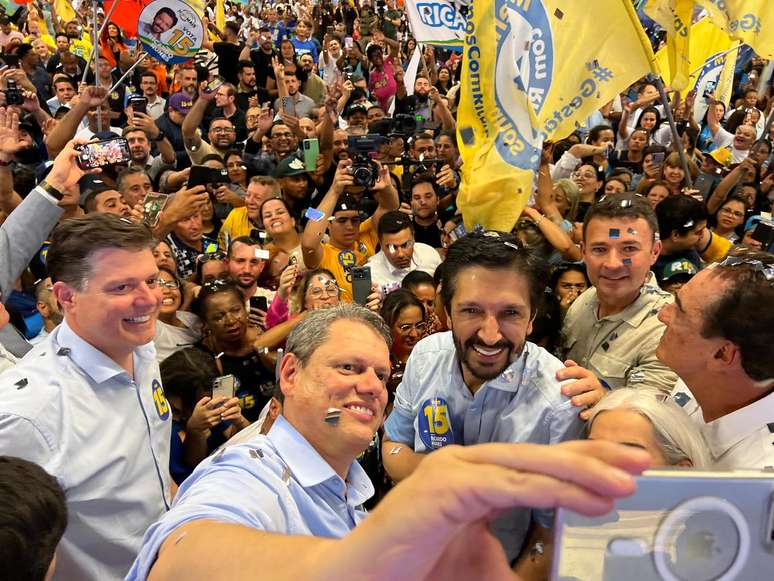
434	408
276	483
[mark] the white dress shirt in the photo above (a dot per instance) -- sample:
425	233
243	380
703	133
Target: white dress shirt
425	258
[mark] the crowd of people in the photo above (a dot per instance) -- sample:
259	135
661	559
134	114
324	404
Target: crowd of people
268	342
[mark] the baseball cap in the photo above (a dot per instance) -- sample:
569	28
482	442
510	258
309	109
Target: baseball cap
346	203
680	267
356	108
291	165
181	103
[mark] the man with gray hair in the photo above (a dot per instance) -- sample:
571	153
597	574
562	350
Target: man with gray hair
279	503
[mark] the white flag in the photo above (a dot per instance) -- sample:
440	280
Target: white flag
436	21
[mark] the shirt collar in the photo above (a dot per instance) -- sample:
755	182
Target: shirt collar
309	468
725	432
91	360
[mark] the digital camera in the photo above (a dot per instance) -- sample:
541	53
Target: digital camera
365	171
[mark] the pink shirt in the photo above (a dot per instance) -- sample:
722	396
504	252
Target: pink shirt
382	83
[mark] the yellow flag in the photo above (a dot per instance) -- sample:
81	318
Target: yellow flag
64	9
675	17
750	21
725	87
220	15
532	70
706	42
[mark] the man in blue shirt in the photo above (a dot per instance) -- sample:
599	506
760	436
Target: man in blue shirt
482	381
276	506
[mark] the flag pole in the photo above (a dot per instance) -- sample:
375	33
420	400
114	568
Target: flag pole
94	48
140	58
677	142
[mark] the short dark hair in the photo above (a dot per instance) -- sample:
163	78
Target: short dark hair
246	240
393	222
595	131
626	206
424	179
395	302
679	213
244	64
130	171
169	11
493	251
415	278
561	268
188	374
149	74
212	288
742	312
232	26
33	518
74	242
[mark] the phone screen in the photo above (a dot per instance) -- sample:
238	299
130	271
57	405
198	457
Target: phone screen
103	153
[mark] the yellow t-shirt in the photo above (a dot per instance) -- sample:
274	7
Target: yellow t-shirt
340	262
235	225
81	47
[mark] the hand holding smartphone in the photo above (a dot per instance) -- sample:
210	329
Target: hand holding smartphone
103	153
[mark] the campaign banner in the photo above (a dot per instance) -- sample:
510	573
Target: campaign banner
170	30
437	22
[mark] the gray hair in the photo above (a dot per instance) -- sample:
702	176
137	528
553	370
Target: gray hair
313	331
677	436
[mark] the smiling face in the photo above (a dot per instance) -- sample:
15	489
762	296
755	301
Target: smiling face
171	296
585	177
744	137
276	218
322	292
618	266
408	329
117	310
349	371
656	194
490	319
163	256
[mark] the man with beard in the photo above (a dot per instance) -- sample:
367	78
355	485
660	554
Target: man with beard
48	309
106	201
139	135
300	104
312	86
482	381
246	260
226	107
80	41
62	49
399	253
248	88
221	136
261	57
162	22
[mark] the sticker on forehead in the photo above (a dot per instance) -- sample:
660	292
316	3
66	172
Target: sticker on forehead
391	248
434	422
262	254
614	233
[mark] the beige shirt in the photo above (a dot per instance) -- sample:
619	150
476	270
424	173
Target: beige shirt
620	349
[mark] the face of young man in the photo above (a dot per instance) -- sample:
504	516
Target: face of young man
117	309
244	266
490	319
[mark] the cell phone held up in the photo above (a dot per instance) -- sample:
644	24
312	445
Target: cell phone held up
361	284
103	153
259	303
223	386
139	105
13	94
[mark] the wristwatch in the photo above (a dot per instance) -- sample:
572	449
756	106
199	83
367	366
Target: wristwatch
160	136
51	190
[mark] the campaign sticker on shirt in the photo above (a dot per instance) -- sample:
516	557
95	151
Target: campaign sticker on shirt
170	30
162	406
435	429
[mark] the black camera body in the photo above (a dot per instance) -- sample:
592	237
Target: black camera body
365	171
13	94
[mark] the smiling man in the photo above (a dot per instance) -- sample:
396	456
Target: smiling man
612	329
482	381
87	404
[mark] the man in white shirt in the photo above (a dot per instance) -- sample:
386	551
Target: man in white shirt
149	85
741	141
718	338
400	253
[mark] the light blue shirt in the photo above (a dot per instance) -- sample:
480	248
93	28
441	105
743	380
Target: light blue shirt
105	437
434	407
276	483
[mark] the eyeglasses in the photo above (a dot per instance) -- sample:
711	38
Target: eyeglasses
207	256
330	289
421	327
354	220
734	213
171	284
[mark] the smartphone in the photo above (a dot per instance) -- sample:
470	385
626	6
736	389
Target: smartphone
314	214
11	60
223	386
311	151
103	153
361	284
657	158
201	175
214	85
679	525
348	42
705	183
152	206
764	233
260	303
288	106
13	95
139	104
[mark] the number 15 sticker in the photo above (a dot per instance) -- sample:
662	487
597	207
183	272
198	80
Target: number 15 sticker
435	429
